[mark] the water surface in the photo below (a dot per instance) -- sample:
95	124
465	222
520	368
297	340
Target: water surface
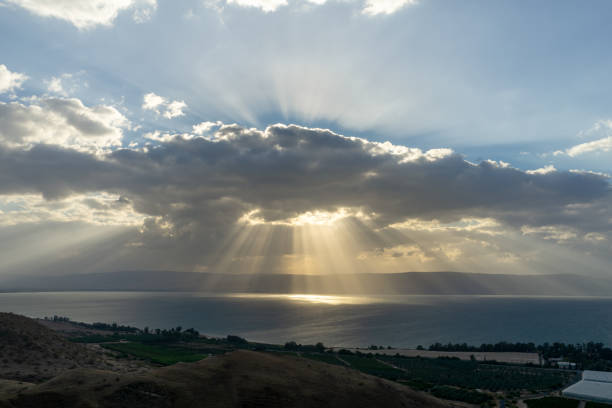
399	321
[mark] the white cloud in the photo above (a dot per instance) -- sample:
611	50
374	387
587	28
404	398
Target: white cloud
162	106
174	109
9	81
595	237
371	7
167	137
488	226
595	173
152	101
601	128
55	85
265	5
601	145
544	170
375	7
93	208
559	233
88	14
205	127
61	121
66	84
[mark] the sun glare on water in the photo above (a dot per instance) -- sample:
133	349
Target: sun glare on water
329	300
309	298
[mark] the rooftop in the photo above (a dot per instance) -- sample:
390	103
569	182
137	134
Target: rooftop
594	386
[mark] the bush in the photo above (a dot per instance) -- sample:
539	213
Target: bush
552	402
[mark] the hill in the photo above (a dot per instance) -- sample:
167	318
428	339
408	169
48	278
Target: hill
31	352
72	375
237	379
413	283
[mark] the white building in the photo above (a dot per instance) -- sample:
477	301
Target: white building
594	386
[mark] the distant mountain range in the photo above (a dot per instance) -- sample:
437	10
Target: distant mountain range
413	283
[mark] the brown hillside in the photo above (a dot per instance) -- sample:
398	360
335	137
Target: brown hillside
32	352
240	379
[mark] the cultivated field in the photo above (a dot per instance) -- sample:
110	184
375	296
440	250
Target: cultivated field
503	357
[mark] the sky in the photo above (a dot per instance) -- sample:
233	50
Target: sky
305	136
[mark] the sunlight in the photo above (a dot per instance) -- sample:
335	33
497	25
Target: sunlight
316	217
314	299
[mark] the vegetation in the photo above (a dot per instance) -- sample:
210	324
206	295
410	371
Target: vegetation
597	405
458	394
372	366
324	357
159	354
97	325
236	339
471	374
292	345
146	336
497	347
587	356
552	402
445	377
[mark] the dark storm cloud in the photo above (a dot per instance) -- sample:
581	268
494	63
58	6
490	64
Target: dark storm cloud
287	170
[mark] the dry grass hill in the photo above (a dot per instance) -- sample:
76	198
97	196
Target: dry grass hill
31	352
238	379
246	379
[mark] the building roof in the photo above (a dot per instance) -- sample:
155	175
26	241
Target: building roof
594	386
601	376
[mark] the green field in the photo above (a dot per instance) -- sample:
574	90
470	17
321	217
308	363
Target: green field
324	357
470	374
159	354
372	366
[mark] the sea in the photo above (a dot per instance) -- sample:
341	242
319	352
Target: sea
340	321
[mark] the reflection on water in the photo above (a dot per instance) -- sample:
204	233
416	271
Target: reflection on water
308	298
345	321
337	300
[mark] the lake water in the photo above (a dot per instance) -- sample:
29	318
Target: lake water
399	321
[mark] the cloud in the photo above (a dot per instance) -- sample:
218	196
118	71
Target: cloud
152	101
162	106
95	208
9	81
55	85
194	194
285	172
376	7
265	5
87	14
543	170
369	7
65	122
601	145
205	127
174	109
558	233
